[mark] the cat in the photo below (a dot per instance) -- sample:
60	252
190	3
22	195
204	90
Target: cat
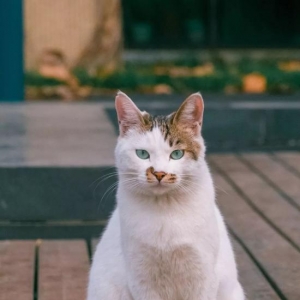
166	239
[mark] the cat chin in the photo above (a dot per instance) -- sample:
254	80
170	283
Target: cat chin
161	190
154	190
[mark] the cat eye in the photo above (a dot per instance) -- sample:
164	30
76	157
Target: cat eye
177	154
142	154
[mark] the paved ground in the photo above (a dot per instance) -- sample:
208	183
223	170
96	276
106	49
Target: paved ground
55	135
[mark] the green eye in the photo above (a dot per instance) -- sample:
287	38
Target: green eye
177	154
142	154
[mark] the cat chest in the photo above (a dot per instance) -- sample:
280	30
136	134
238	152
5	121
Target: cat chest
172	273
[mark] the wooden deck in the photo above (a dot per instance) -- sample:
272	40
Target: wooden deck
259	195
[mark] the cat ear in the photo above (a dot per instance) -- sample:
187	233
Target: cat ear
190	113
128	114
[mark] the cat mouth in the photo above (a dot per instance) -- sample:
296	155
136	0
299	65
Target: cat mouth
162	185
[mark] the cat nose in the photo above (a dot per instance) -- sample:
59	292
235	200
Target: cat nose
159	175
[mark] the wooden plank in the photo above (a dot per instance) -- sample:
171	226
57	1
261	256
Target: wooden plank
292	159
274	254
281	177
254	284
63	270
17	270
268	201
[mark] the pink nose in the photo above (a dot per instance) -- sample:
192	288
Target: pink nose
159	175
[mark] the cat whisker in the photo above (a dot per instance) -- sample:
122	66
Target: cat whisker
114	173
187	190
221	189
136	174
131	183
94	192
112	186
183	188
185	174
191	182
104	177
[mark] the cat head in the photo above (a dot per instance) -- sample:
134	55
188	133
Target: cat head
159	154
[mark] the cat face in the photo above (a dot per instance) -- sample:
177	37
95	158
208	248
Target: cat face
156	155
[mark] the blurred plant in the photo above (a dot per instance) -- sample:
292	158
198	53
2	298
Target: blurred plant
254	83
52	66
187	75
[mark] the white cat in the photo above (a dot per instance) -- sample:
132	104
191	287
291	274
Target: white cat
166	239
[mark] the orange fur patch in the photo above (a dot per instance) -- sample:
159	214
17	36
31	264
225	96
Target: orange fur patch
168	178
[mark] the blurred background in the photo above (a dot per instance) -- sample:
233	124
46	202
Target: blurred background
61	64
72	50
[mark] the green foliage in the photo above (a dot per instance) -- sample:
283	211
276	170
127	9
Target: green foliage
145	76
35	79
283	83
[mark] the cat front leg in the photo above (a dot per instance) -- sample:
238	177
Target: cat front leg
126	295
234	293
146	296
143	293
209	290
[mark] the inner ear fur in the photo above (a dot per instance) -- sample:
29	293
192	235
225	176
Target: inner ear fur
190	113
129	116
